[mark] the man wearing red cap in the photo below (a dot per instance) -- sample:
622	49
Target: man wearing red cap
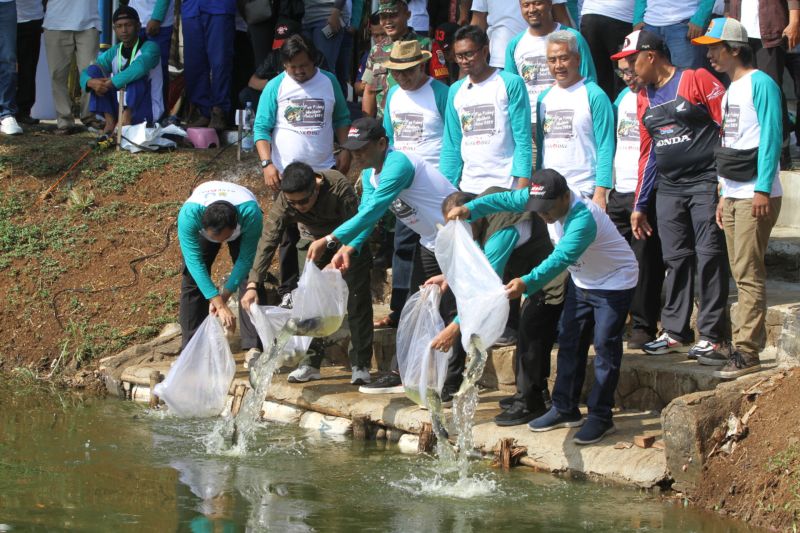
680	115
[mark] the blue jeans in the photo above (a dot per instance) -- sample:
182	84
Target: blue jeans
584	309
208	60
137	98
683	53
8	59
329	48
405	246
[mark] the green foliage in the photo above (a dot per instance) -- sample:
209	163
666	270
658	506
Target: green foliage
115	171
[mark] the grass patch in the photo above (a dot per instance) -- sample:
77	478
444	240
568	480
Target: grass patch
786	464
115	171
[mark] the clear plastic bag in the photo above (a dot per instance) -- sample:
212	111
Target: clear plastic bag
269	321
197	384
319	303
480	293
422	369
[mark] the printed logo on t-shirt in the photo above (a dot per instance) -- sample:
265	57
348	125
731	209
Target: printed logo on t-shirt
407	126
628	128
535	72
730	125
558	123
404	212
305	113
478	120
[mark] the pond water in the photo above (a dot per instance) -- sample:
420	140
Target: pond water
74	464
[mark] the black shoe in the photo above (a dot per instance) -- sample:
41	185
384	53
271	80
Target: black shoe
388	384
517	414
447	398
638	339
508	401
27	120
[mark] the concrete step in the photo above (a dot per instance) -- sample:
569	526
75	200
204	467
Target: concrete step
783	254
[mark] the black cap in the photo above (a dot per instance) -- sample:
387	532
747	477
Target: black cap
444	34
125	12
546	187
362	131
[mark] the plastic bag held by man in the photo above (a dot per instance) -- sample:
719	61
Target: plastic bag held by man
319	303
197	384
269	321
422	369
480	293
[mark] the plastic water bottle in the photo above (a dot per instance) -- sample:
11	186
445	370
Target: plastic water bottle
247	128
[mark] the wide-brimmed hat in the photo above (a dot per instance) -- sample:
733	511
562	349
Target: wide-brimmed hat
406	54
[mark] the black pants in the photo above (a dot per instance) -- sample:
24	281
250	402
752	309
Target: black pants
692	244
248	94
425	266
194	306
261	36
793	66
406	242
290	268
538	330
29	40
604	35
646	303
772	61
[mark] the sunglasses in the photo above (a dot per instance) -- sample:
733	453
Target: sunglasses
302	201
626	73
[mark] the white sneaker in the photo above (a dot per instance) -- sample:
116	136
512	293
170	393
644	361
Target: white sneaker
360	376
251	355
303	374
9	126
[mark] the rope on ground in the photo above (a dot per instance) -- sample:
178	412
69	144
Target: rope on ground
133	263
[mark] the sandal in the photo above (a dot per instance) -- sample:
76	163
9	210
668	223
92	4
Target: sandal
385	322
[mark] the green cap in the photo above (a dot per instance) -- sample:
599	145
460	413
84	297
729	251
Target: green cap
390	6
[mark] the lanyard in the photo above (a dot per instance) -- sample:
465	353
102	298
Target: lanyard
133	55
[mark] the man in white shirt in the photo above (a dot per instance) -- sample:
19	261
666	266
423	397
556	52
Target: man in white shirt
575	123
487	133
420	22
70	27
8	68
604	24
677	23
502	20
30	15
158	18
299	114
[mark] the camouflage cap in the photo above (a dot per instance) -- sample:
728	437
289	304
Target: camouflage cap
390	6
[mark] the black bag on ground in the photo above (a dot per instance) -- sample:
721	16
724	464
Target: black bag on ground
736	165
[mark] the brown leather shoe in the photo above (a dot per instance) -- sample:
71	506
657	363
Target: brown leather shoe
217	121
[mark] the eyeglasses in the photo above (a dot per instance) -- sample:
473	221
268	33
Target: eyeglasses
625	73
302	201
467	56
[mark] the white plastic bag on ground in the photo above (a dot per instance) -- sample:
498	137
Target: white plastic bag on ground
319	303
480	293
138	137
421	367
197	384
269	321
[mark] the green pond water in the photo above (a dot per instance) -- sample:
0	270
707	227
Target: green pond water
74	464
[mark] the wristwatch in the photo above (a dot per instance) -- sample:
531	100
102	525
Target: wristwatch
265	163
331	242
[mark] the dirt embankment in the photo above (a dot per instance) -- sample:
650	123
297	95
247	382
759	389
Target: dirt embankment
70	296
759	482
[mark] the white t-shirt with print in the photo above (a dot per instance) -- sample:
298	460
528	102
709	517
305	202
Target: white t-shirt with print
615	9
487	144
530	56
420	206
569	144
626	156
416	122
505	21
72	15
742	131
667	12
304	123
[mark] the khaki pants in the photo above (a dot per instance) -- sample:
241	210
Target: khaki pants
60	45
746	239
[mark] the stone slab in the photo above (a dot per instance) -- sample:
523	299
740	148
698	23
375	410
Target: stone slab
554	450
